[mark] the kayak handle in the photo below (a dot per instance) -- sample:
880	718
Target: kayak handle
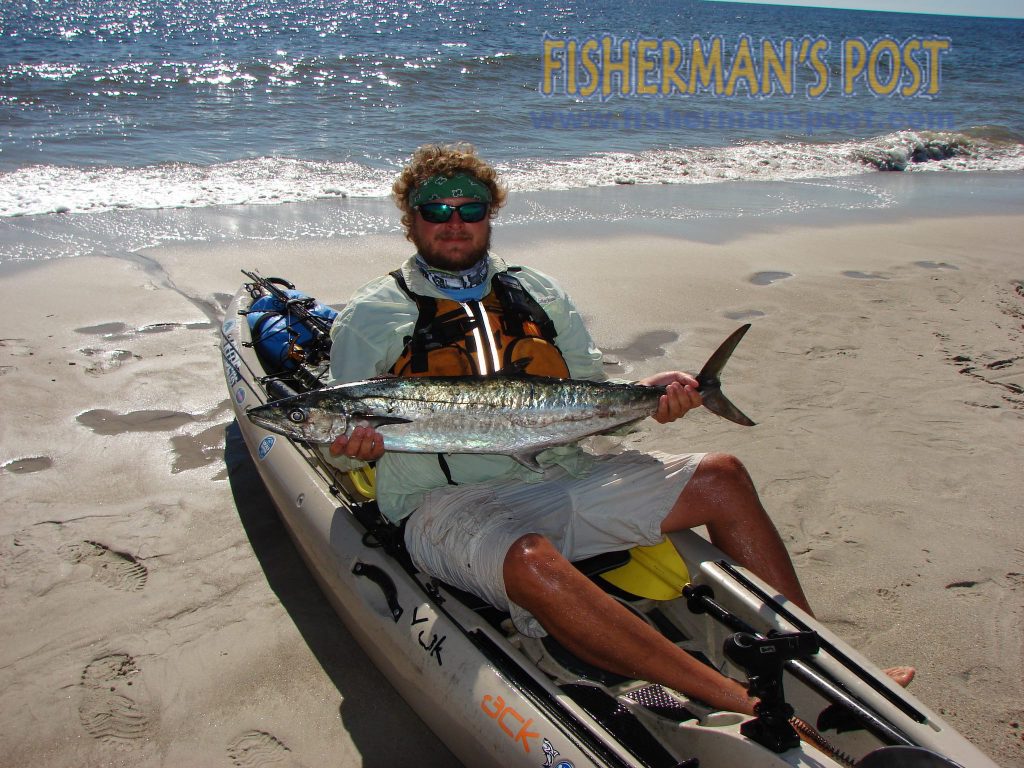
382	580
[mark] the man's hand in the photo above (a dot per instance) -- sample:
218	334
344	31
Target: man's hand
364	444
681	394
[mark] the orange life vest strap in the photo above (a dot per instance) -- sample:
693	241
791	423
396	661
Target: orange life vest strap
445	337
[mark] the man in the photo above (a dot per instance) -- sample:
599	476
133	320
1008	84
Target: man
491	526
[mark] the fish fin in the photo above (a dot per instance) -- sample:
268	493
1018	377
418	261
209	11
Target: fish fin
528	460
710	381
712	369
720	405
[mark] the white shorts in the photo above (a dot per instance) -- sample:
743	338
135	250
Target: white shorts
461	534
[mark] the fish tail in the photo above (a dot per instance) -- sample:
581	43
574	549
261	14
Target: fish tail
720	405
710	381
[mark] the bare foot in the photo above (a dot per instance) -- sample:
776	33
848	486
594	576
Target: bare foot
901	675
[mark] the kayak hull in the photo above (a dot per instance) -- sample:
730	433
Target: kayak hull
498	699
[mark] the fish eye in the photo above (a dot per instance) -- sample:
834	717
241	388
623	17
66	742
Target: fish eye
297	415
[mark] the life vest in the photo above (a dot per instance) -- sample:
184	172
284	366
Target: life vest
506	331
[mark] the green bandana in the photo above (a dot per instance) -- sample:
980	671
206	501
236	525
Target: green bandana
439	187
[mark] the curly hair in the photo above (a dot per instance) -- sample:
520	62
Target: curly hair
447	160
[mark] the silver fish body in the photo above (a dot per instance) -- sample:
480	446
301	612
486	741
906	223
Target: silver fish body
517	416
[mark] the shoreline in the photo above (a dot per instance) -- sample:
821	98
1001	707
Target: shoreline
884	370
711	212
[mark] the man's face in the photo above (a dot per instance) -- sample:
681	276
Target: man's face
453	245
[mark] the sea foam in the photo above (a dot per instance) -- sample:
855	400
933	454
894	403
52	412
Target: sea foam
45	189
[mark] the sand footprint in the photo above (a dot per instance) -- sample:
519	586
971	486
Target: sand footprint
106	712
619	360
20	559
104	422
27	465
744	314
194	451
118	331
825	353
255	749
108	330
888	595
16	347
864	275
117	570
767	278
104	360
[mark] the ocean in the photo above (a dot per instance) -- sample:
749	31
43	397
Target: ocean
168	105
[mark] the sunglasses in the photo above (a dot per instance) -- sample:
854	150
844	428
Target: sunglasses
439	213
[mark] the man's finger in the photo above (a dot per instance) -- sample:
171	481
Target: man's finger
338	446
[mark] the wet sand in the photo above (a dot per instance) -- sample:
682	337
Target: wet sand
156	614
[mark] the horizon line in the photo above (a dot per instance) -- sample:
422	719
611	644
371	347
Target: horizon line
825	6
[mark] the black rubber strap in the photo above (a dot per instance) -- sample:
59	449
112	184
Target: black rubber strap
446	469
426	307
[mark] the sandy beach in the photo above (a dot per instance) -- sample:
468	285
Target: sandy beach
155	613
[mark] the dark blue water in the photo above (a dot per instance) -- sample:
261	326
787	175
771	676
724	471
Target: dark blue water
170	103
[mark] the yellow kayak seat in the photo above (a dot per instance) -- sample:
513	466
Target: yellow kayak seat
656	572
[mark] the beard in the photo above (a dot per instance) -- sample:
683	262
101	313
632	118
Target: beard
452	251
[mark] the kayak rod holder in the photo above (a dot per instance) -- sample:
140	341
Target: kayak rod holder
763	660
897	701
700	599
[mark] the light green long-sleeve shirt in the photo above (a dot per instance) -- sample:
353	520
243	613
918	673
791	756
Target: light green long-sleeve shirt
369	335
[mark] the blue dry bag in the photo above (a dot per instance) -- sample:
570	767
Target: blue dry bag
277	329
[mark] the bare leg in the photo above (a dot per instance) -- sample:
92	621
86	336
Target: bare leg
602	632
599	630
722	496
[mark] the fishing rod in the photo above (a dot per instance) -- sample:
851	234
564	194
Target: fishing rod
302	305
298	313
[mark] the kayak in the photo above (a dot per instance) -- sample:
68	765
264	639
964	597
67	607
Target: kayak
498	698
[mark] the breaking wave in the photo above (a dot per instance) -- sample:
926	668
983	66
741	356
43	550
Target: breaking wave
47	189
